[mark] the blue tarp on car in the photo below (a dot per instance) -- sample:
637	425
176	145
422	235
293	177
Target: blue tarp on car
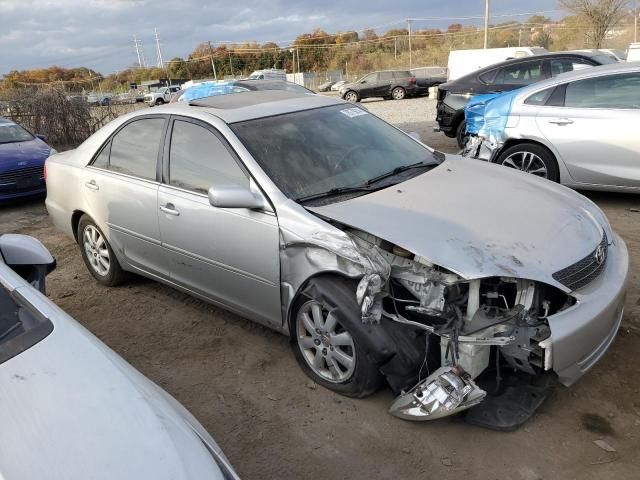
486	115
209	89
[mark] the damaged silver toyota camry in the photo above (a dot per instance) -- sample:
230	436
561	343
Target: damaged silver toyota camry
462	285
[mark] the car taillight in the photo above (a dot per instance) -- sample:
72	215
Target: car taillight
412	80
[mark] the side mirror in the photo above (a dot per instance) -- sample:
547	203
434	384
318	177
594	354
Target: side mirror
235	196
415	136
363	81
41	137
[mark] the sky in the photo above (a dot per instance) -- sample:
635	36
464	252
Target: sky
99	33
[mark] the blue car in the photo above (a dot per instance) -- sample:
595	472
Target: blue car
22	157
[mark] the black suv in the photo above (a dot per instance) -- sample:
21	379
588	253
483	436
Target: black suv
396	84
502	77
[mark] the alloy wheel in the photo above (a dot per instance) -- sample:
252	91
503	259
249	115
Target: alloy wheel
527	162
95	248
397	93
351	97
325	345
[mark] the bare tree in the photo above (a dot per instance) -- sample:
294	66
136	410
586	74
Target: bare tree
602	15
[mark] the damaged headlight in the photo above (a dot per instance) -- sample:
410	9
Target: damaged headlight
447	391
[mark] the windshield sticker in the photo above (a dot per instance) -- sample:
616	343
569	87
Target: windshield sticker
353	112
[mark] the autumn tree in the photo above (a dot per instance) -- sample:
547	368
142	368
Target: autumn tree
601	15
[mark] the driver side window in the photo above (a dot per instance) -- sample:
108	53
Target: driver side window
372	77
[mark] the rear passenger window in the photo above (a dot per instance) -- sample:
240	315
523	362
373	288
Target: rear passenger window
520	74
385	75
402	74
134	149
198	160
620	91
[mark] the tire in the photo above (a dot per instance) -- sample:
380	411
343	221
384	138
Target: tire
531	158
159	101
398	93
351	96
98	255
461	134
329	339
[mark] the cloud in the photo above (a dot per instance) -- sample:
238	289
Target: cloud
99	33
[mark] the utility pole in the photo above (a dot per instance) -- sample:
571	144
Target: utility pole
135	42
213	65
298	58
409	28
159	61
486	23
395	48
635	21
230	64
520	37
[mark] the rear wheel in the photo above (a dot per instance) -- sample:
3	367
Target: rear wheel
461	134
328	340
351	96
98	255
160	101
531	158
398	93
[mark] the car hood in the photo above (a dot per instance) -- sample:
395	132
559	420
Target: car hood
480	220
33	152
72	409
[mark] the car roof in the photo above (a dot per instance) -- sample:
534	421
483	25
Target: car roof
620	67
238	107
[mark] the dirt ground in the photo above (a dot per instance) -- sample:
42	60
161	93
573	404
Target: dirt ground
242	382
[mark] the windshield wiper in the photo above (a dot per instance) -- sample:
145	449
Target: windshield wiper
399	170
336	191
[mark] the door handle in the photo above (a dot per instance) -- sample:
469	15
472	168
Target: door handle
169	209
92	185
561	121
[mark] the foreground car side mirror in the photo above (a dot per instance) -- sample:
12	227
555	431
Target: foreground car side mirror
28	258
235	196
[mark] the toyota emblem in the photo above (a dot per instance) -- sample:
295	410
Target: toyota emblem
600	255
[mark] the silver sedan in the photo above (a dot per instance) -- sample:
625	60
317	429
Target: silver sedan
316	218
579	129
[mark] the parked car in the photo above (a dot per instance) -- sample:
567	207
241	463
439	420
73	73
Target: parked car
315	218
389	84
502	77
269	74
336	86
209	89
464	62
71	408
99	98
427	77
22	156
161	96
124	98
579	129
326	86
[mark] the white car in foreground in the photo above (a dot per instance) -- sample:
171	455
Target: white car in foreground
70	408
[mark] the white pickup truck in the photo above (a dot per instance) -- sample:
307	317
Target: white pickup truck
161	96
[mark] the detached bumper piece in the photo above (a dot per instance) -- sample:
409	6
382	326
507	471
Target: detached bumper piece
447	391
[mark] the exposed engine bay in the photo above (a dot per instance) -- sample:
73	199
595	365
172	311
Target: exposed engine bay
478	324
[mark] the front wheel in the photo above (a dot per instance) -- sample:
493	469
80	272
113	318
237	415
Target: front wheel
398	93
351	96
328	340
461	134
159	101
531	158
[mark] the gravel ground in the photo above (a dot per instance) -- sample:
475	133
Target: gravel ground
241	380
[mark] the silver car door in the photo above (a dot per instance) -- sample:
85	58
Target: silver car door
121	189
230	256
593	127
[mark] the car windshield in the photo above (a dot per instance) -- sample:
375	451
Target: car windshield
11	132
321	150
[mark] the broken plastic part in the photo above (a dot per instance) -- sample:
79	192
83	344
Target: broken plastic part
447	391
547	346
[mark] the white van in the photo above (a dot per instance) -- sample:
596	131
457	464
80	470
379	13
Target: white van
633	54
462	62
269	74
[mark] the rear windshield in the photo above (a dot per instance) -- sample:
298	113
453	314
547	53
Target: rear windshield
11	132
604	59
21	325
